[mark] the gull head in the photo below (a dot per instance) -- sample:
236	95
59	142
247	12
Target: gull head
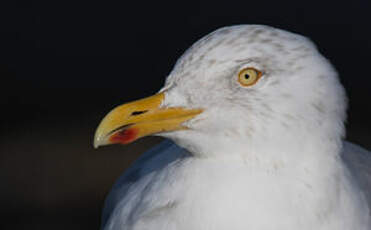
246	89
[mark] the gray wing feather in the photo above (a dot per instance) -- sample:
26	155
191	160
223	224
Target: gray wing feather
358	161
152	160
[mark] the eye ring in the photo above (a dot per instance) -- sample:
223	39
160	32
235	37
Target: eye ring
249	76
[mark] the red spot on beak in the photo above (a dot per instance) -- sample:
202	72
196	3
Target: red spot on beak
124	136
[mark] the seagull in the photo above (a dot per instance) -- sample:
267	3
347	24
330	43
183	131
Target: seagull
253	118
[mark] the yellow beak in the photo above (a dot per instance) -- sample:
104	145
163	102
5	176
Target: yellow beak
126	123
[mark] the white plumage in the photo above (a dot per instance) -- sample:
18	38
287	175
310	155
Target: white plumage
267	157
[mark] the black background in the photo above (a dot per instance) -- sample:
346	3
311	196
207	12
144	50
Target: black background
67	63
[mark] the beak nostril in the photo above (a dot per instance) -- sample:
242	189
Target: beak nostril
138	112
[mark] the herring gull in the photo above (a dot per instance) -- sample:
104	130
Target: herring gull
255	117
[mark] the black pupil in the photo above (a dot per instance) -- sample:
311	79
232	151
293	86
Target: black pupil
247	76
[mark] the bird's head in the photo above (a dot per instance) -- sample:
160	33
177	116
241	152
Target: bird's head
235	90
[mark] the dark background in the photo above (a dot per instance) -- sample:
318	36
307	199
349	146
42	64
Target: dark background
67	63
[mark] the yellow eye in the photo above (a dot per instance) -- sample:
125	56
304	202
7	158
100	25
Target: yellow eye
249	76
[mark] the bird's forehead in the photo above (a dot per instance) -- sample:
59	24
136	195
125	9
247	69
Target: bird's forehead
232	45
